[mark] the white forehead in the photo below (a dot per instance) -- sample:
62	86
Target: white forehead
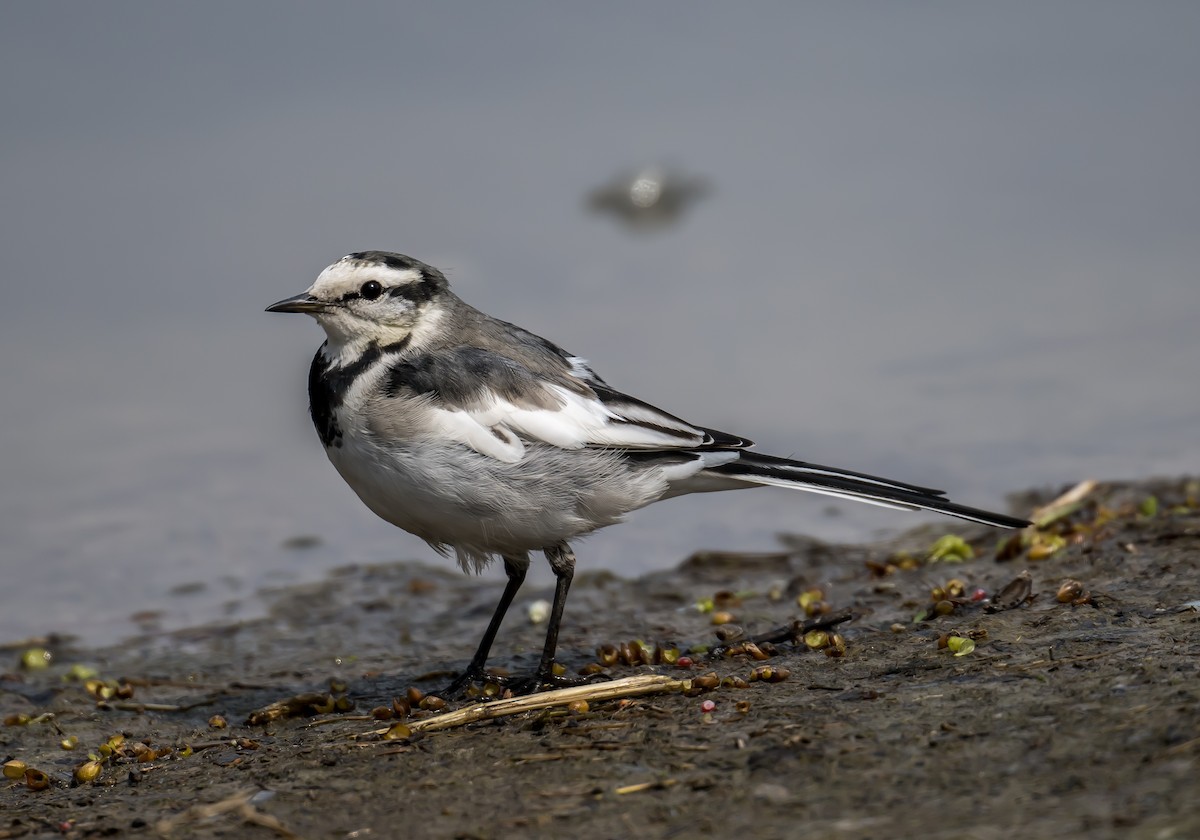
348	274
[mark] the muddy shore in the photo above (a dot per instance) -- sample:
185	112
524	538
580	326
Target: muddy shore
1068	718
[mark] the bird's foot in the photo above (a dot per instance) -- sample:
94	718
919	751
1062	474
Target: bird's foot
550	681
475	683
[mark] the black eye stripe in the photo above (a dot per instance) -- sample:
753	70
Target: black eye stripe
419	292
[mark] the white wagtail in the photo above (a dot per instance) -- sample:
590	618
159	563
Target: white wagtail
478	436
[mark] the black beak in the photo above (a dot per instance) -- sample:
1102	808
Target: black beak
304	303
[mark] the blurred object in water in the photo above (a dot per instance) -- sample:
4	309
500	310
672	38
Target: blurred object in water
651	198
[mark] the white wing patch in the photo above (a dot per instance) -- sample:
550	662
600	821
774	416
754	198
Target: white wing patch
496	427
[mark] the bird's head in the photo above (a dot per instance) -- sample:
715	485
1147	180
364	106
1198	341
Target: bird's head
370	296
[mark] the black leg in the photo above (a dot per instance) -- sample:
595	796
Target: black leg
515	567
562	562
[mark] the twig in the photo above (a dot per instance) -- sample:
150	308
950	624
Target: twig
333	720
665	783
1064	505
628	687
134	706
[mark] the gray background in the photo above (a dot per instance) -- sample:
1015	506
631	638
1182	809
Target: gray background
952	243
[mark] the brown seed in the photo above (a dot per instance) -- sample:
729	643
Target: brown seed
630	655
1069	591
577	707
433	703
343	704
943	608
397	732
415	695
36	779
742	706
756	652
591	668
734	682
14	769
809	597
140	751
706	682
217	722
729	632
88	772
18	719
816	639
722	617
726	599
769	673
381	713
608	655
955	588
401	708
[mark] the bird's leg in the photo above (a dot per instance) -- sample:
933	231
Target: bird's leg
515	567
562	562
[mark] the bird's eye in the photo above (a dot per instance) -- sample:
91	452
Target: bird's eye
371	289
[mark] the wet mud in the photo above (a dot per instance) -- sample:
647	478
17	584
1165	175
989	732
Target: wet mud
1071	708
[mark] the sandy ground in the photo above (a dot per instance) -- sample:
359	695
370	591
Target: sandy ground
1065	720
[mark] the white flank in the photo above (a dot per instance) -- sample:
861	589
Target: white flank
492	428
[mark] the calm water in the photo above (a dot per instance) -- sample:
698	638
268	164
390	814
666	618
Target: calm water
954	247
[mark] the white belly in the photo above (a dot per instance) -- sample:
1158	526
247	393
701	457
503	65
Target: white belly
454	497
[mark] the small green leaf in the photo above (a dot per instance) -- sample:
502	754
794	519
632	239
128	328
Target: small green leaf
960	645
950	549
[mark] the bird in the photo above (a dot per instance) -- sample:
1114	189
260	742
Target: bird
488	441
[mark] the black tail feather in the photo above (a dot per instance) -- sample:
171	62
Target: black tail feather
765	469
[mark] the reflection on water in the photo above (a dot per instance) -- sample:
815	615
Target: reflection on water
649	199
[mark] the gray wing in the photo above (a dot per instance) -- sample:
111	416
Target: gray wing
493	401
